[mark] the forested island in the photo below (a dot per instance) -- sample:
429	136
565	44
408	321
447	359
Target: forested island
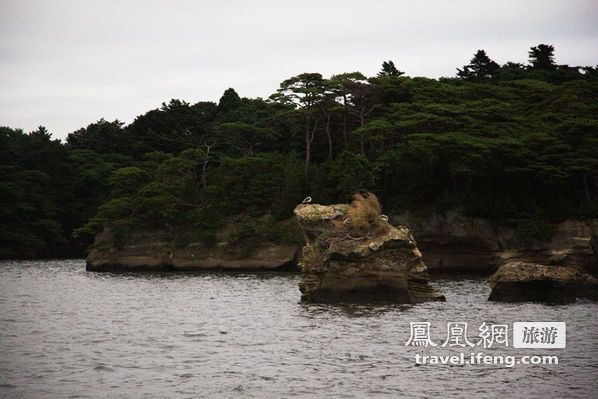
514	144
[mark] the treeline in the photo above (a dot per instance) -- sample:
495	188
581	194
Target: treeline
514	143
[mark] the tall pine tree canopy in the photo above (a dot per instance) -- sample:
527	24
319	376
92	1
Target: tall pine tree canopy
480	67
516	144
542	57
389	69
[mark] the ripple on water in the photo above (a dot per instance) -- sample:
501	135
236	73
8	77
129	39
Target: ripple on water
65	332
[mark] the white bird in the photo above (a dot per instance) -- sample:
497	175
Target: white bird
384	217
307	200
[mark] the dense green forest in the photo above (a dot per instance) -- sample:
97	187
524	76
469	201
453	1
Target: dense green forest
514	143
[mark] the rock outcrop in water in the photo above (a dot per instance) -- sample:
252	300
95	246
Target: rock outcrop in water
519	282
453	243
352	254
156	251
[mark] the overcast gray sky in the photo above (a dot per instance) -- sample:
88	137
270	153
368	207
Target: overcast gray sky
67	63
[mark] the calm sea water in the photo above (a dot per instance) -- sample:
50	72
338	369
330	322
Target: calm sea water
65	332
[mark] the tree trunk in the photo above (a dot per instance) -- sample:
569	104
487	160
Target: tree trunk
361	138
328	135
345	138
205	164
307	147
309	138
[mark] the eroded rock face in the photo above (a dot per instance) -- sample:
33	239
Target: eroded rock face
521	282
152	251
158	256
452	243
381	264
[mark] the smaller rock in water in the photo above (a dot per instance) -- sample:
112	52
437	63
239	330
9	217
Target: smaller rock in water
530	282
352	254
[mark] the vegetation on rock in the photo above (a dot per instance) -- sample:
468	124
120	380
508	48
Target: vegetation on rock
360	220
365	215
382	263
517	144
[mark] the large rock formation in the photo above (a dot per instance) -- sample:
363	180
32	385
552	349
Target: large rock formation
450	243
156	251
352	254
453	243
519	281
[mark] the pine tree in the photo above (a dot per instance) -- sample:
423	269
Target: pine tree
229	100
389	69
542	56
480	67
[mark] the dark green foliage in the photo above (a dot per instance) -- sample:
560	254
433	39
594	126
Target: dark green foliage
480	67
244	138
512	71
172	128
103	137
513	143
541	67
268	183
352	173
33	167
389	69
229	101
535	228
542	57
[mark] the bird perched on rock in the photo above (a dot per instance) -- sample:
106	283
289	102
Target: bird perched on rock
307	200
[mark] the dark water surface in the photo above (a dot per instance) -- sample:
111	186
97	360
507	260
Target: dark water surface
65	332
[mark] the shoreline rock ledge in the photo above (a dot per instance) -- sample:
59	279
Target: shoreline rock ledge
352	254
530	282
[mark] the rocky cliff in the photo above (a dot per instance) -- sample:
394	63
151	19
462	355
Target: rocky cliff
519	282
352	254
156	251
452	243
